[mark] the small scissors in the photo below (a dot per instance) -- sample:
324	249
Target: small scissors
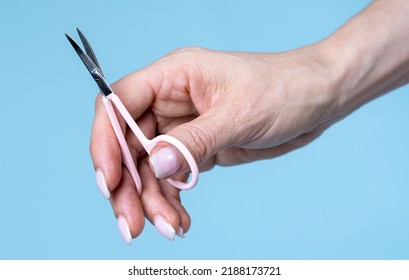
108	97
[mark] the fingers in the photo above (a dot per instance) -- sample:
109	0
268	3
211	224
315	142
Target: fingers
161	204
113	179
105	151
127	208
203	137
136	92
125	200
172	195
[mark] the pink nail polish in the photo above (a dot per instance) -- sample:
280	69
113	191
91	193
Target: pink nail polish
164	227
102	183
165	162
124	229
180	232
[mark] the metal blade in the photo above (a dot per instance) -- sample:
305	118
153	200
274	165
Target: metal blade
87	61
92	68
89	50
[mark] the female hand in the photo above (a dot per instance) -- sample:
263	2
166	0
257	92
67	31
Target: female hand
226	107
233	107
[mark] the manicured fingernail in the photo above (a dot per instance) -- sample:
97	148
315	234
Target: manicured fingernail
164	227
124	229
102	184
165	162
180	232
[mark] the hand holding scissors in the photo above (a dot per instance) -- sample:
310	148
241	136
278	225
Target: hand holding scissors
109	97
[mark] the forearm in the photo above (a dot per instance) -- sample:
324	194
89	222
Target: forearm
370	54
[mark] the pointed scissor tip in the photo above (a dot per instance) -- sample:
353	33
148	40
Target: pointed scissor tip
68	37
80	33
75	46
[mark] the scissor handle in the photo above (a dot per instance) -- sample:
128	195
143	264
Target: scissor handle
126	154
149	144
185	153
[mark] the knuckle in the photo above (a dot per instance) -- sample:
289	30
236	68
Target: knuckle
202	142
187	51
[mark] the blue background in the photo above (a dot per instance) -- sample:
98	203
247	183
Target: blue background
345	196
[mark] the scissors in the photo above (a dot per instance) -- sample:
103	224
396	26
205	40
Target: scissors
109	97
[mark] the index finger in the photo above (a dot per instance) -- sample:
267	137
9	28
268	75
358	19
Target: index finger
136	93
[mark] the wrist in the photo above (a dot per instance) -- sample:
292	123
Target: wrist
368	56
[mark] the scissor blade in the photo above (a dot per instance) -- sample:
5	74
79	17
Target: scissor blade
87	61
92	68
89	50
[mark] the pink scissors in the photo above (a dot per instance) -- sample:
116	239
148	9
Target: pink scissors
108	96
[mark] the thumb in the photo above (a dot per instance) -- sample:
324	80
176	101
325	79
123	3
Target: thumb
203	137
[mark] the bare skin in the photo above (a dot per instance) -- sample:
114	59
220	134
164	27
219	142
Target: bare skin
234	107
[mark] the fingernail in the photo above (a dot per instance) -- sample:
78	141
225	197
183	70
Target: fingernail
180	232
102	184
164	227
165	162
124	229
